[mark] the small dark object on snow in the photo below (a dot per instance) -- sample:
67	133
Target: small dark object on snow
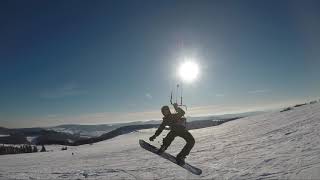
43	149
298	105
287	109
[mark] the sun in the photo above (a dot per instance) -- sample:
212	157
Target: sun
188	71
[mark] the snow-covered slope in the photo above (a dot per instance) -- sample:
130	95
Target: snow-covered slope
272	145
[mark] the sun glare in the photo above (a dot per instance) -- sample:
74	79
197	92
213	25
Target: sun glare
188	71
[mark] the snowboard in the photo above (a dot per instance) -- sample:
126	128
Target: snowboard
169	157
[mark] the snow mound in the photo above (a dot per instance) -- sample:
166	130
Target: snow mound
278	145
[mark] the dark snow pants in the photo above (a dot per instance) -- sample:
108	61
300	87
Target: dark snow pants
183	133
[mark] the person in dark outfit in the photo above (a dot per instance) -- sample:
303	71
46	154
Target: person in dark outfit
177	124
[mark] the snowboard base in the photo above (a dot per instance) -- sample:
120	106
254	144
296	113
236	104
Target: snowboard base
169	157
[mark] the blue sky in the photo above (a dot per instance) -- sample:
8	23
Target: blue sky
102	61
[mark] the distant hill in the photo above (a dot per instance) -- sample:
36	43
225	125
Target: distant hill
224	116
75	134
44	136
114	133
95	130
89	131
4	130
39	136
131	128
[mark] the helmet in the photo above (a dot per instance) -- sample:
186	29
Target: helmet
165	108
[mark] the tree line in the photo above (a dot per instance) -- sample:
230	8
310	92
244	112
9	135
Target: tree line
26	148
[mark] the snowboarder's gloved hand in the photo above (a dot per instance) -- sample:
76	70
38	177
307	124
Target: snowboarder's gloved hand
152	138
175	105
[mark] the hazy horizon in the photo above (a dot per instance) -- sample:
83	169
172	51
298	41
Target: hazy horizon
85	120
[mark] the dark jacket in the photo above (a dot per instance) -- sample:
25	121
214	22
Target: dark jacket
174	121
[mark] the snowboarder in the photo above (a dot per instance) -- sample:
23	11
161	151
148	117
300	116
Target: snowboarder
177	123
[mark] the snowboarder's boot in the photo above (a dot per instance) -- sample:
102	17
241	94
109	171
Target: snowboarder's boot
161	150
180	160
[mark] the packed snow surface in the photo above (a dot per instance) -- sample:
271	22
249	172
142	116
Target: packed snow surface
269	146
